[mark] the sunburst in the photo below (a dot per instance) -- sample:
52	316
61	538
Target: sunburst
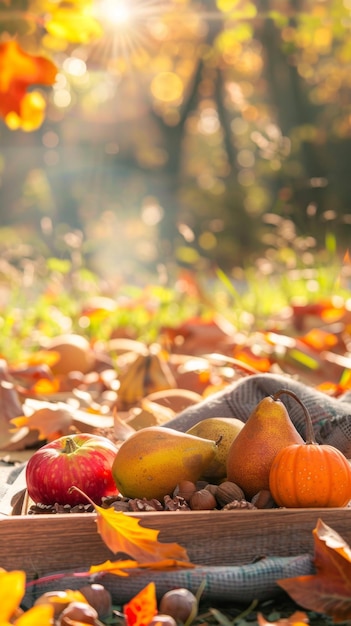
127	28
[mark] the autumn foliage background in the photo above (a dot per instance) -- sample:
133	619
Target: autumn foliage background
172	134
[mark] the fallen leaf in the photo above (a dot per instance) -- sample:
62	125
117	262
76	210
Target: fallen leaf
123	533
10	407
54	420
121	568
329	590
142	608
299	618
319	339
42	614
49	422
12	589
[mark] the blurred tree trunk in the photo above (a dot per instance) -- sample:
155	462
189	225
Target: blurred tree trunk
289	98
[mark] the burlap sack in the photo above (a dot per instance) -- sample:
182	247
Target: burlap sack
331	416
230	584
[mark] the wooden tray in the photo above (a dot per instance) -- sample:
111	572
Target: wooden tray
40	544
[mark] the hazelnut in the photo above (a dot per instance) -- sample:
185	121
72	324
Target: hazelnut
203	500
227	492
78	612
185	489
263	500
179	604
212	489
99	598
163	620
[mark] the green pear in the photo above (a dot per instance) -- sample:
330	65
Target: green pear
268	430
151	462
223	430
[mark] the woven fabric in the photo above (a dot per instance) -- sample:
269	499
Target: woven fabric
255	581
331	416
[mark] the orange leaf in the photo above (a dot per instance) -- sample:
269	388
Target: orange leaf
329	590
260	363
118	567
299	618
319	339
18	71
142	608
123	533
50	422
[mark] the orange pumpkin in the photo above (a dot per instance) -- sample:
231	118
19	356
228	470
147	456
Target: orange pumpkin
310	474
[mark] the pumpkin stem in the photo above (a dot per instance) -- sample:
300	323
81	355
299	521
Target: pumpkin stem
310	438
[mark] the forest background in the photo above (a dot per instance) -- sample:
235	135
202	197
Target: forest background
180	133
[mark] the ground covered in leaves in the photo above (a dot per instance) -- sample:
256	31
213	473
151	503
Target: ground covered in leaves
123	383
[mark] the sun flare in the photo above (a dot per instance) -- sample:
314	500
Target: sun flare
129	29
114	12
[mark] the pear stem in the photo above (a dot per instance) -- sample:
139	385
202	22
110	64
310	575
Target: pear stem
310	437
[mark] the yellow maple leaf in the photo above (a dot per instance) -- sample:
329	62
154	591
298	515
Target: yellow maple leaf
123	533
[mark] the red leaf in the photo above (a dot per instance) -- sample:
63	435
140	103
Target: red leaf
142	608
329	590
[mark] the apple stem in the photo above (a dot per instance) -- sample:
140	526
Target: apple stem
70	446
74	488
310	437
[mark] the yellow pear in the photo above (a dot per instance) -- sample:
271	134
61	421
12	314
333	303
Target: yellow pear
223	430
151	462
268	430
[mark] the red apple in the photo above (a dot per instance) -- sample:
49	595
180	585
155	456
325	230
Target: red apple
80	460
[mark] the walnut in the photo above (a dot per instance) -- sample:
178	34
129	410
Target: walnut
238	504
142	504
227	492
177	503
